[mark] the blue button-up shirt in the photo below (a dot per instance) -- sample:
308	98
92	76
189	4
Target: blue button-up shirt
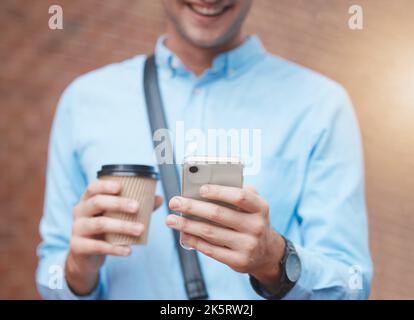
310	170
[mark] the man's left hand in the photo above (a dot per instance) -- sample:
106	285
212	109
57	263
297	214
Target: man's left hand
241	238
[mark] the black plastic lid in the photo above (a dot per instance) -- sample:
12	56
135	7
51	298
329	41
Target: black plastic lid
129	170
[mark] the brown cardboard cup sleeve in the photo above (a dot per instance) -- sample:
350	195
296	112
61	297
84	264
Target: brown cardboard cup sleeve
138	182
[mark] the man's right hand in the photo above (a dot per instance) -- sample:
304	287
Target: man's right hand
87	248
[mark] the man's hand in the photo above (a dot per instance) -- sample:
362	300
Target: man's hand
87	248
242	238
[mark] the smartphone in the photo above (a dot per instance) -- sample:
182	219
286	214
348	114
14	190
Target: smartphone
197	171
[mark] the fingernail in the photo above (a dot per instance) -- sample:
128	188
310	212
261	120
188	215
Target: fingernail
175	203
133	205
172	220
204	190
125	251
137	229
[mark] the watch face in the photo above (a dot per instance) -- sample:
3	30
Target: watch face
293	267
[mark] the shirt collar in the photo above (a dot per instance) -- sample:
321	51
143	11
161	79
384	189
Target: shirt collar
227	63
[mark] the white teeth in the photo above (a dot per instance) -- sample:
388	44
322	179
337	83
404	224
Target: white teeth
207	11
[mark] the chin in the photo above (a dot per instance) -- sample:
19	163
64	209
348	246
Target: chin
206	42
207	39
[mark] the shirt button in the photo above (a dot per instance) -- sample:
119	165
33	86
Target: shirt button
230	72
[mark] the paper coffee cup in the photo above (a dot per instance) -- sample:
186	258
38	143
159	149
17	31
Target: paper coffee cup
138	182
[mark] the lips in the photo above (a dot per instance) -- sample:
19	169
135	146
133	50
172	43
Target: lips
208	10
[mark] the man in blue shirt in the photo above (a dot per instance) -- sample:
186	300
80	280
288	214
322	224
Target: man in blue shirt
309	188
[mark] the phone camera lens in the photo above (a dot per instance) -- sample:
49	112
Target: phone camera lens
193	169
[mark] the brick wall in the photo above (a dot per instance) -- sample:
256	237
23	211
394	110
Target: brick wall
374	64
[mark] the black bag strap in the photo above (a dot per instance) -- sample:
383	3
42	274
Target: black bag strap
190	266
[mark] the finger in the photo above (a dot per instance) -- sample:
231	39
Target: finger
221	254
102	187
212	212
213	234
102	225
158	202
85	246
101	203
241	198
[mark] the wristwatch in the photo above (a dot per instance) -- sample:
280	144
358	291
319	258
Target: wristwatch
290	267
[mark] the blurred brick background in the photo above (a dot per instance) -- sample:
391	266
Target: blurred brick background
376	65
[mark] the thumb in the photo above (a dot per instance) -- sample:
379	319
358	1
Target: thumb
158	202
251	189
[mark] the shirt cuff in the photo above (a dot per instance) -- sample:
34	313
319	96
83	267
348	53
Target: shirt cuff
68	294
321	278
59	288
259	289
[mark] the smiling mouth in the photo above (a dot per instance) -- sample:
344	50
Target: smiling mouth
208	11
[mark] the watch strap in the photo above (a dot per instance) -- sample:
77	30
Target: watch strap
285	284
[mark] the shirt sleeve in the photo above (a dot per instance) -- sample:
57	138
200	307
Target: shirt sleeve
334	249
65	184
